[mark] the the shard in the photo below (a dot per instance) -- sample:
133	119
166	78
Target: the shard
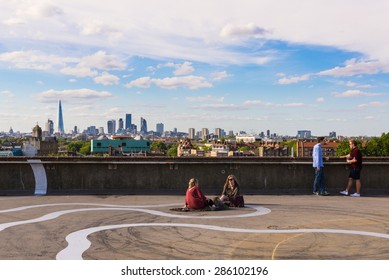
61	129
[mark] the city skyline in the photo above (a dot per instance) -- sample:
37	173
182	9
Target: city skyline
249	65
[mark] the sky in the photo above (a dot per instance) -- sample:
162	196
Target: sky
247	65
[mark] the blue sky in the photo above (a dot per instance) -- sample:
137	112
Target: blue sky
237	65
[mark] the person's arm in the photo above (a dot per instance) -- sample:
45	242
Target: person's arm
315	157
346	156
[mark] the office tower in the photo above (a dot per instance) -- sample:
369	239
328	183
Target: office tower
61	128
192	133
160	128
304	134
49	127
128	121
219	132
204	133
111	127
75	131
332	134
121	124
143	125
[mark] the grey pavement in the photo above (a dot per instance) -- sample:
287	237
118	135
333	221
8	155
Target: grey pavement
144	227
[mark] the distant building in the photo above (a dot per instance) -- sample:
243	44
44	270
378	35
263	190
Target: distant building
304	134
160	128
219	133
49	128
204	133
43	146
332	134
247	138
305	148
120	146
111	127
219	150
273	150
143	126
121	126
128	121
192	133
61	129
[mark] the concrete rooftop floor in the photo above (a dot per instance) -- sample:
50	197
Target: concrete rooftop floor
143	227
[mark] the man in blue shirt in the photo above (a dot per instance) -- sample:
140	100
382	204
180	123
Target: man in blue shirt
317	156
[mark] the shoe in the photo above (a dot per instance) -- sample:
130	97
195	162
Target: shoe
344	192
325	193
355	195
315	193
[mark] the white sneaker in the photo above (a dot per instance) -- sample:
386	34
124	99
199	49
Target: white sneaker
344	192
355	194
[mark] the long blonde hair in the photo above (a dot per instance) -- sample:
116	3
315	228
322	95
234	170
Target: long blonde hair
193	182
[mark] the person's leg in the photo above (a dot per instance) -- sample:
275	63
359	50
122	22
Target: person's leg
316	182
349	184
358	186
322	183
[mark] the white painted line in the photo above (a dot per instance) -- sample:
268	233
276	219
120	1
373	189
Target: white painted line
40	176
259	211
78	242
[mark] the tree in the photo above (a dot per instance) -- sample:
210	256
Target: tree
343	148
85	149
75	146
172	150
158	146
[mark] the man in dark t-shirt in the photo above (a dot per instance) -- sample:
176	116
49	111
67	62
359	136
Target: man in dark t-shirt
354	158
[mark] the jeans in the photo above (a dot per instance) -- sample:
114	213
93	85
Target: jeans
318	184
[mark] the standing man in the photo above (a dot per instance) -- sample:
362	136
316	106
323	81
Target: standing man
355	159
318	165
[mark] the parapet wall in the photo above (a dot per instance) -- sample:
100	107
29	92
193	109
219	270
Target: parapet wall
169	176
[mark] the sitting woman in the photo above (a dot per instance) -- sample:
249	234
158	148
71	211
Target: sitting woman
194	198
230	194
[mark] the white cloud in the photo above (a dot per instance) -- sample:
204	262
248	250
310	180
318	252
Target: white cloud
238	31
222	107
320	99
26	13
294	80
34	60
191	82
217	76
72	95
208	98
374	104
6	94
103	61
356	67
355	93
184	68
106	79
99	60
144	82
180	68
80	72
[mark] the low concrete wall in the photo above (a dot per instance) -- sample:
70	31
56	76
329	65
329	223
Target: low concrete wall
167	176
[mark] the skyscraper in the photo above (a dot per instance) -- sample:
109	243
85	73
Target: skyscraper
61	129
128	122
111	127
49	128
143	126
192	133
160	128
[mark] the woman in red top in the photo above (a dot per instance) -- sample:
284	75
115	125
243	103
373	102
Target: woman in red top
194	198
